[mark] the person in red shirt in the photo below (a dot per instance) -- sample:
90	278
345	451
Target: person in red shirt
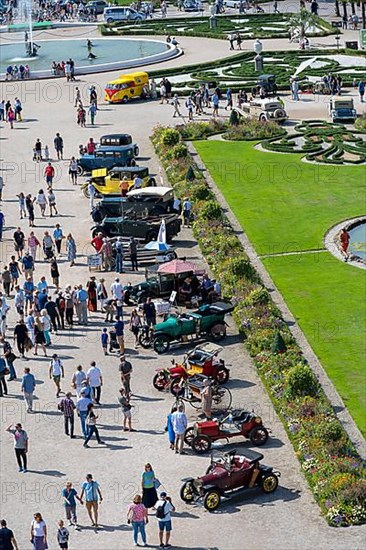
49	173
90	148
97	242
344	238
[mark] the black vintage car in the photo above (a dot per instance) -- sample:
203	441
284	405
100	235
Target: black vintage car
268	83
146	228
148	201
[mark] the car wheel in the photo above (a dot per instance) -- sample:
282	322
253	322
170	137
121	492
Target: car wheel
176	388
136	151
152	182
217	331
212	500
186	492
160	381
189	436
201	444
80	170
109	21
132	162
171	256
161	344
98	230
258	436
86	192
145	339
222	375
263	117
222	399
151	236
269	483
124	99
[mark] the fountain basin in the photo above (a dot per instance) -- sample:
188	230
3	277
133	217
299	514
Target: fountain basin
111	54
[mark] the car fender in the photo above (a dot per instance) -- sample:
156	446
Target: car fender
208	486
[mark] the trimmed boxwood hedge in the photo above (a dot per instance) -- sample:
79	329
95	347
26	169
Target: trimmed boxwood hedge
328	459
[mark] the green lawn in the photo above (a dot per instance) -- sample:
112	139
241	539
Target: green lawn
287	205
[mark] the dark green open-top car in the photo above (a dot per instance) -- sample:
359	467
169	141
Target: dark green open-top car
208	320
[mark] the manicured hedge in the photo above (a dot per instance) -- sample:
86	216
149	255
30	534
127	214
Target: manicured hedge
335	472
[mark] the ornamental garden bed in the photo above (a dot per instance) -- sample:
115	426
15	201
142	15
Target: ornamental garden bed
328	459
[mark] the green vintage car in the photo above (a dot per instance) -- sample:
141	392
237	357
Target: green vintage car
208	320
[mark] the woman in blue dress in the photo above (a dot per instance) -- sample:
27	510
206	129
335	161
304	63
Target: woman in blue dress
169	428
149	494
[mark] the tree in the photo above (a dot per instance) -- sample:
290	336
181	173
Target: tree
301	22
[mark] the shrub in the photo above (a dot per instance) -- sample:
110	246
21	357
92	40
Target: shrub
301	381
360	123
178	151
257	296
329	430
190	176
234	118
210	210
170	137
252	129
200	192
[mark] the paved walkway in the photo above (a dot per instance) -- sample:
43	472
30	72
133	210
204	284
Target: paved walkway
289	519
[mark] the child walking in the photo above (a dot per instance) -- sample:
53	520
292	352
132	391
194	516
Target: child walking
62	535
104	339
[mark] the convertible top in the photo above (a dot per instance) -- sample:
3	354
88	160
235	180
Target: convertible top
251	456
216	307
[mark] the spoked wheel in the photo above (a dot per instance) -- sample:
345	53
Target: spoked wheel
86	192
161	344
80	170
176	387
212	500
258	436
145	340
201	444
222	399
160	381
269	483
186	492
189	436
222	375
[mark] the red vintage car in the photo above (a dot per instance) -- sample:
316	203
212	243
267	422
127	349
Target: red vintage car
201	360
229	474
234	424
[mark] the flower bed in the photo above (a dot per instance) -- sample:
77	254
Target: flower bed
328	458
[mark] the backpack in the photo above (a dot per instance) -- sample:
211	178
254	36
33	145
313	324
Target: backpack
160	511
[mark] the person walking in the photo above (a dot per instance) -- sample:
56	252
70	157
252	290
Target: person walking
29	204
344	239
92	294
62	535
92	491
41	200
82	409
55	274
95	381
71	249
81	297
38	532
27	387
92	113
77	380
295	90
124	401
176	105
164	507
19	242
2	223
179	422
125	369
91	422
49	174
21	336
137	516
52	311
104	340
10	357
39	336
7	539
149	312
73	171
169	428
56	371
119	255
20	445
67	407
148	481
58	144
119	328
70	495
361	89
135	325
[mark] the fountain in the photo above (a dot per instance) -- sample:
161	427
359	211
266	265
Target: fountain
25	8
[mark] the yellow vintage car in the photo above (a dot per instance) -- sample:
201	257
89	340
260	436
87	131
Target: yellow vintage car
126	87
118	181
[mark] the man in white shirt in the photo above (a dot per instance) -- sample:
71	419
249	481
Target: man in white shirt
164	507
95	380
179	423
117	290
56	371
77	379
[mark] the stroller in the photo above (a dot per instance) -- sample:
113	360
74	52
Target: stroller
113	344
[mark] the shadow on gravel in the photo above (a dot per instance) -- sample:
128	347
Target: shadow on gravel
236	383
52	473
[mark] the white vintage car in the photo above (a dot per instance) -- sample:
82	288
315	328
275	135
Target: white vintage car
263	109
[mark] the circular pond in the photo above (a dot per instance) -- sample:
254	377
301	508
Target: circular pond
357	243
110	54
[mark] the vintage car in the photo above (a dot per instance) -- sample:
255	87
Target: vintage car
192	5
107	157
263	109
237	423
146	228
117	140
342	108
208	320
108	182
201	360
229	474
149	201
268	83
127	87
156	285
